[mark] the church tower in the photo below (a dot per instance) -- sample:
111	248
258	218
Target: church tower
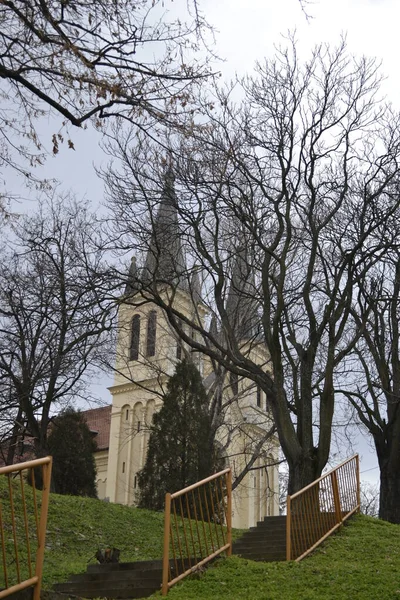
148	350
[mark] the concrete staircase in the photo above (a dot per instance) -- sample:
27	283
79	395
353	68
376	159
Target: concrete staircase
115	580
265	542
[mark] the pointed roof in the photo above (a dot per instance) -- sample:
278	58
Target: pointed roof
165	261
242	305
195	287
132	279
213	326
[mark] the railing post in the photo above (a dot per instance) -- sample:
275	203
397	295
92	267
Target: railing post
358	482
229	512
336	497
167	527
288	529
42	527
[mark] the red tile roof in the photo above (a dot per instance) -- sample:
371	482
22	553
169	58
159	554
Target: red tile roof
99	421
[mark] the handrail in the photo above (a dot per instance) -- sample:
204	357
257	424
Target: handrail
304	489
17	513
196	527
189	488
320	508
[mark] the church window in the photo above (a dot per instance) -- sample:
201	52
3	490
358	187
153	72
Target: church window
135	482
127	414
151	333
138	426
179	346
259	396
123	467
234	381
135	336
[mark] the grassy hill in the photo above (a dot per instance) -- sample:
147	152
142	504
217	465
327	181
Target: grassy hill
361	562
77	527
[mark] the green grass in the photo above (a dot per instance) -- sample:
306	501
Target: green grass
77	528
361	562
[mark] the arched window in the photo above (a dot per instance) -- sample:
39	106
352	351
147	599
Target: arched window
135	337
234	381
151	333
259	396
179	346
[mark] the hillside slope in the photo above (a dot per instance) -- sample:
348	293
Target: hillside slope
361	562
78	527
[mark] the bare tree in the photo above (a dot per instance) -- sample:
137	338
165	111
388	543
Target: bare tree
369	499
54	315
371	375
86	61
295	180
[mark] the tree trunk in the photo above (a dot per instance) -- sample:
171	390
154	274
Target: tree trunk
302	473
14	439
389	501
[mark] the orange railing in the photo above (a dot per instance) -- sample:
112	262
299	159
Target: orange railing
197	526
317	510
22	531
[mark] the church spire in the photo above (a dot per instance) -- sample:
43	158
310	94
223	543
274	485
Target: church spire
131	282
195	287
242	304
165	261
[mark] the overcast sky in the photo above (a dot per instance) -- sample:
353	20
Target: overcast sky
246	32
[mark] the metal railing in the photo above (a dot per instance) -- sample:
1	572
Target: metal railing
22	531
317	510
197	527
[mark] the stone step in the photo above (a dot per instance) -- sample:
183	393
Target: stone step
265	542
115	589
273	521
120	580
134	574
260	557
276	535
269	526
258	543
127	566
114	594
243	548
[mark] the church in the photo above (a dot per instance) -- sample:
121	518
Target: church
148	349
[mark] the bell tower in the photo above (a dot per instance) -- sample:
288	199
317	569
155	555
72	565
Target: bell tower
148	350
147	347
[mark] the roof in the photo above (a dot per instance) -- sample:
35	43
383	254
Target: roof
165	261
99	422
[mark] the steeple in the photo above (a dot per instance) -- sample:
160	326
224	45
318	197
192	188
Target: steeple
131	282
165	261
213	327
195	287
241	304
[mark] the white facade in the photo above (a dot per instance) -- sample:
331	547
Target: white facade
137	394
